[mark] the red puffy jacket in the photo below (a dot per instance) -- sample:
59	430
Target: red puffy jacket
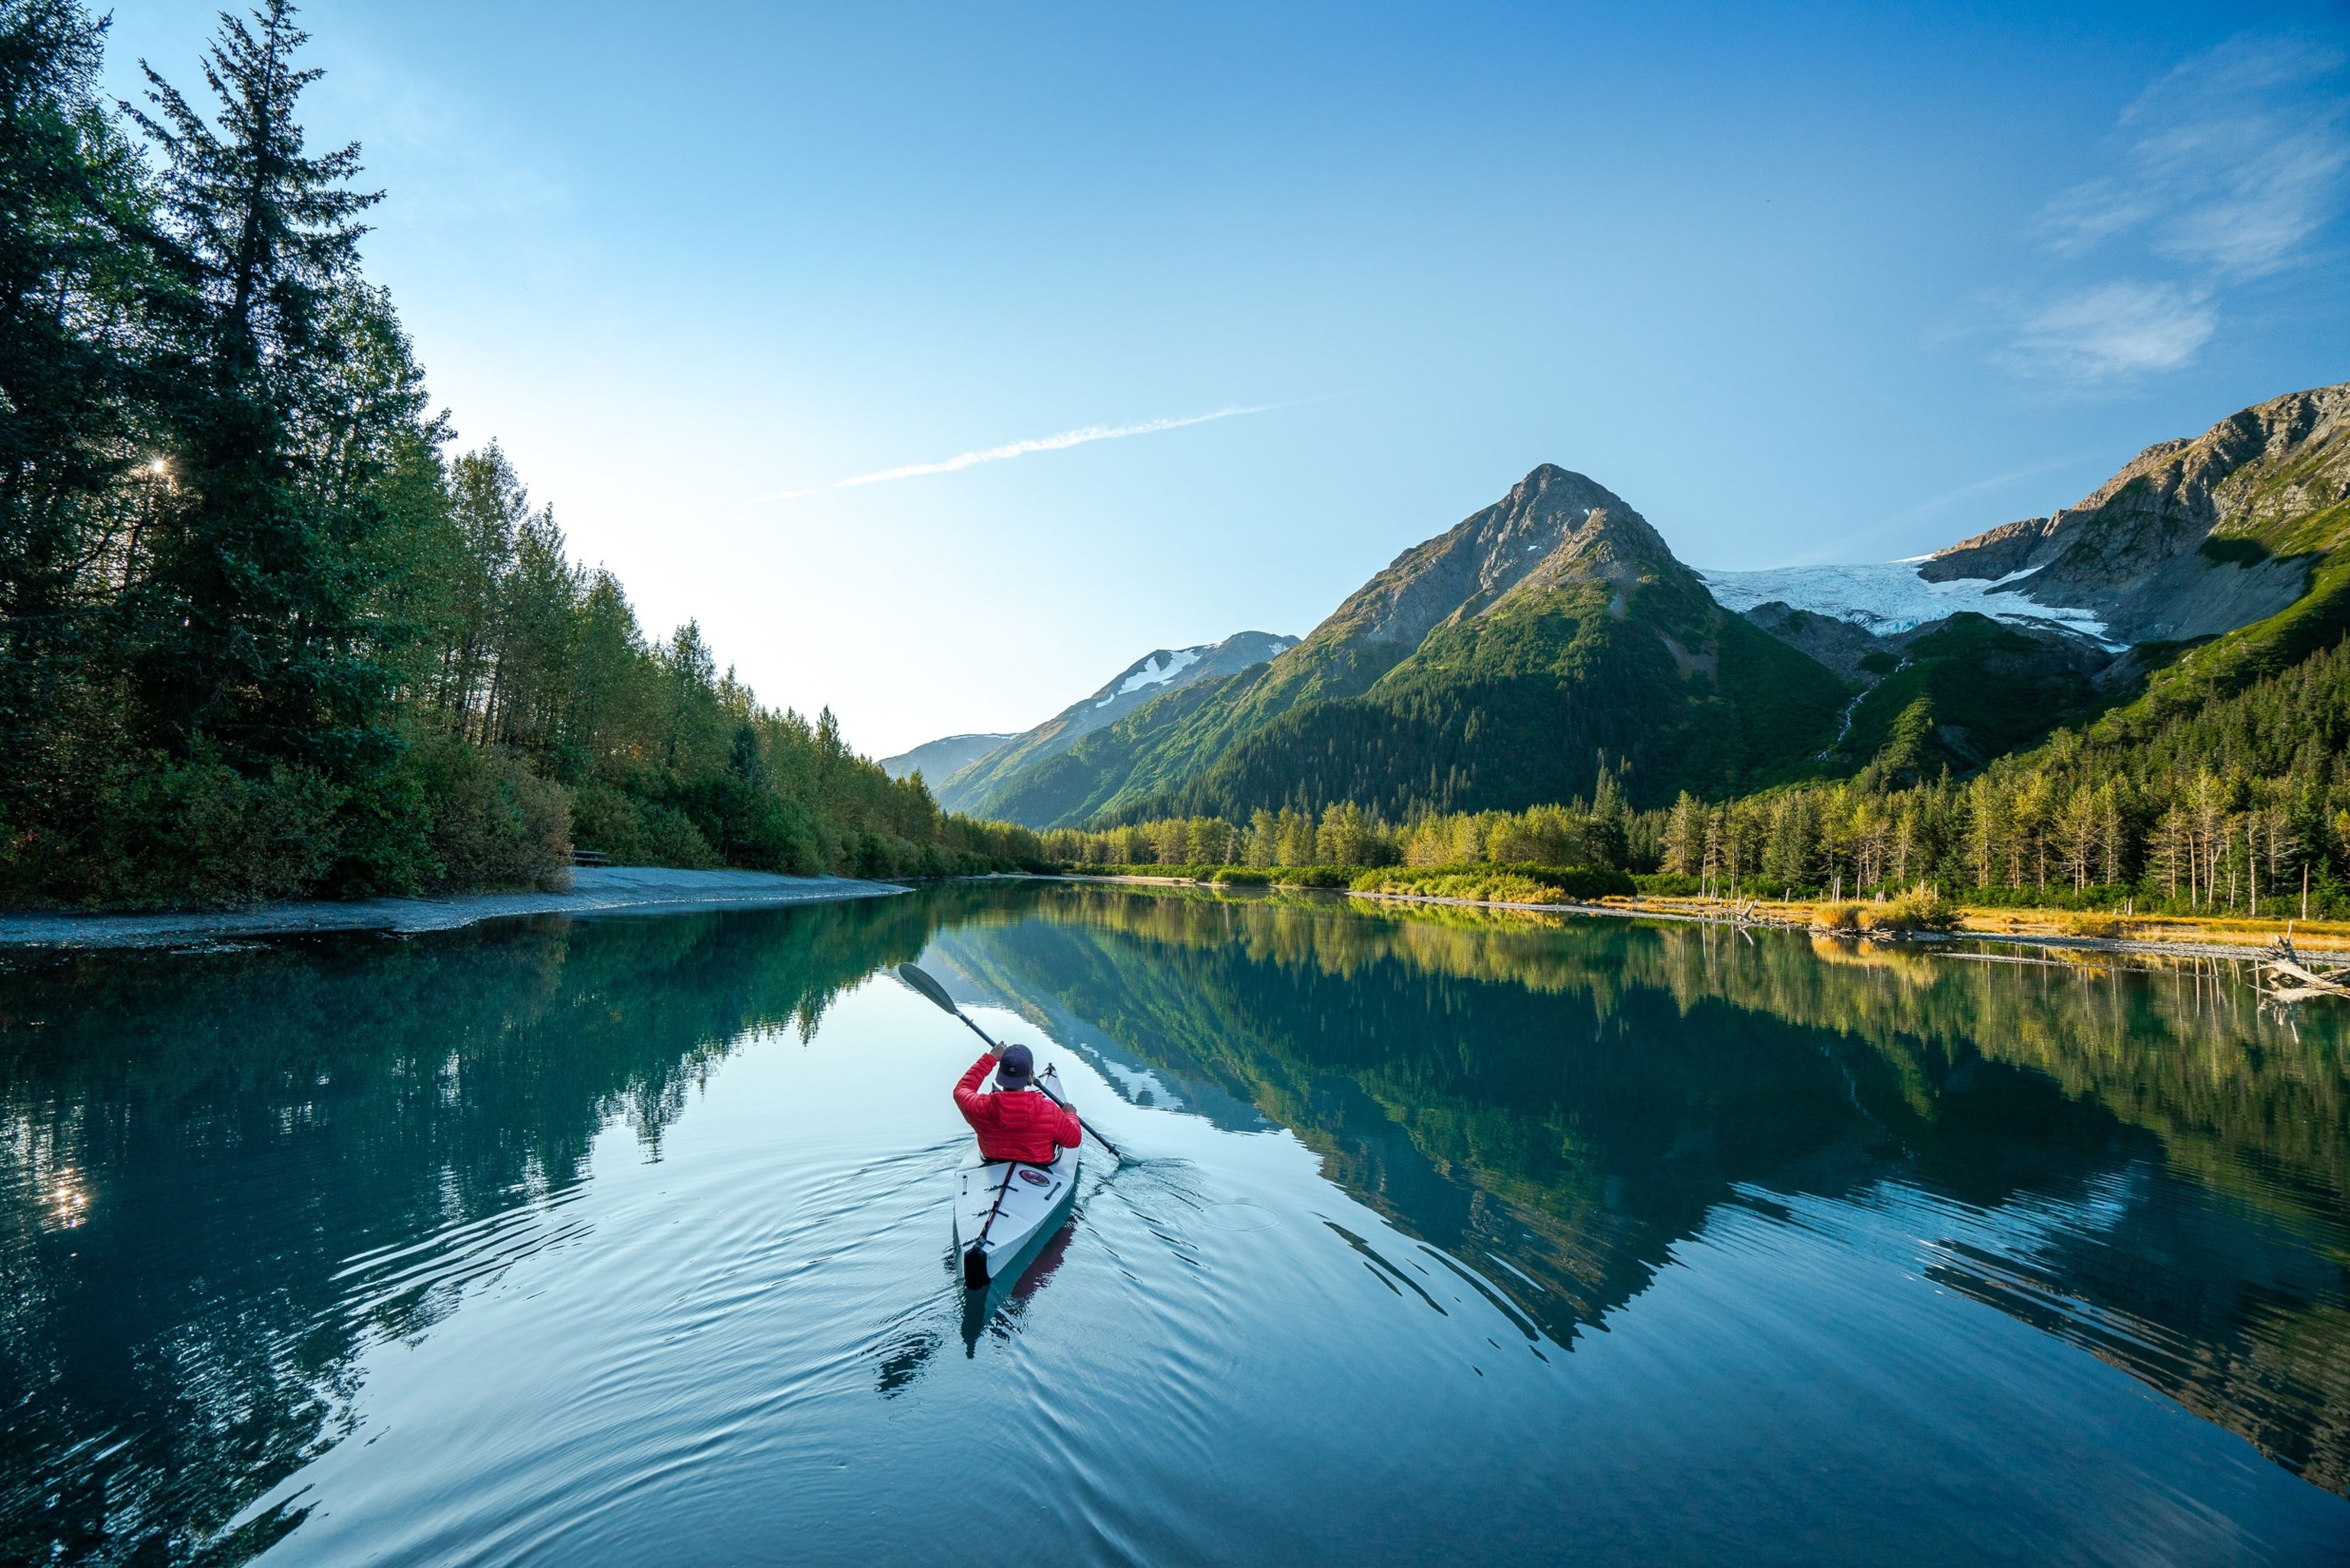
1019	1124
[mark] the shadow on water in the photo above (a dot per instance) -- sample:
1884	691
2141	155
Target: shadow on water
227	1175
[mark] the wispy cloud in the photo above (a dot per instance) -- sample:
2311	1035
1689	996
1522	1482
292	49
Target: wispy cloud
2120	329
2225	170
1060	442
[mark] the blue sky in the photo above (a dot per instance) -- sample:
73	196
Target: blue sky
1802	284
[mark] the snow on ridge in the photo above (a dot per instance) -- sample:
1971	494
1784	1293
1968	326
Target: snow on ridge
1153	674
1890	597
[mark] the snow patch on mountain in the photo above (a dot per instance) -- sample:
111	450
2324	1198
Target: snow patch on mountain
1890	597
1153	673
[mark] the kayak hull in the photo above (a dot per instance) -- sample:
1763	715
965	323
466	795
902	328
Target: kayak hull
1003	1209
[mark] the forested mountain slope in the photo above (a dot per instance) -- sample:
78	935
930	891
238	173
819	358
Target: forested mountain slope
1493	664
939	758
975	786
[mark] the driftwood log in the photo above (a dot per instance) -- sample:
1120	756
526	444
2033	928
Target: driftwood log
2290	979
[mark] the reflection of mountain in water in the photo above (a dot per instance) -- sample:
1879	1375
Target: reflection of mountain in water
217	1171
1557	1103
227	1177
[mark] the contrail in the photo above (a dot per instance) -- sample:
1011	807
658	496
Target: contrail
1015	449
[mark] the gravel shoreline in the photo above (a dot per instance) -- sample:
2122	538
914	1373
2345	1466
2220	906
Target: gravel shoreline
595	890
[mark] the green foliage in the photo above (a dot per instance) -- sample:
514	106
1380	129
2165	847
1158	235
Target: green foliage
1527	704
631	832
1998	688
2240	800
1521	704
2318	619
495	824
1501	884
259	638
2237	551
1920	908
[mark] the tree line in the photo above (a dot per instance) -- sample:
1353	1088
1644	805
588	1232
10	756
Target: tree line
261	635
2199	801
1602	831
2194	800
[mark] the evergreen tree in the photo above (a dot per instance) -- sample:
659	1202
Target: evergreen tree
72	386
253	613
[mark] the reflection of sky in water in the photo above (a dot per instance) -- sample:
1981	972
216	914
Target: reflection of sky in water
1589	1237
1890	596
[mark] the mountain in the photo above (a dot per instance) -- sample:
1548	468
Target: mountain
972	787
2199	567
2193	538
936	759
1507	661
1494	665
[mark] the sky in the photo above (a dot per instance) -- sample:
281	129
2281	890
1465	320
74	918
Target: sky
943	360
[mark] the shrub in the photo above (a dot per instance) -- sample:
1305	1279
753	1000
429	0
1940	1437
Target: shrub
631	832
2093	923
1838	919
672	839
201	833
1921	909
495	824
1499	884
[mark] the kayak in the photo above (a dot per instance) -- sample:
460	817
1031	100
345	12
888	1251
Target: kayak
1005	1206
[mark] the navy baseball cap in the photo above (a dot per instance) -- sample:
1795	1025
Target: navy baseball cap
1015	1067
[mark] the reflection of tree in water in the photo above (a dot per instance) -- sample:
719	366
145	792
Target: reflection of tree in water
218	1170
1557	1103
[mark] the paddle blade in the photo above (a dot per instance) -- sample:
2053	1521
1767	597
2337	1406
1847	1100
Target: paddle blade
928	987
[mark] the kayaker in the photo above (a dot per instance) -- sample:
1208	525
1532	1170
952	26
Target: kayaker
1018	1120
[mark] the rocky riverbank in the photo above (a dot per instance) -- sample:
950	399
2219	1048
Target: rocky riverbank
595	890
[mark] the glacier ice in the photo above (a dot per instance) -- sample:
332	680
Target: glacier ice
1890	596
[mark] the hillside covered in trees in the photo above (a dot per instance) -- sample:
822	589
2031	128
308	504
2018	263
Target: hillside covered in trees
1489	667
2193	799
1506	663
2003	763
261	634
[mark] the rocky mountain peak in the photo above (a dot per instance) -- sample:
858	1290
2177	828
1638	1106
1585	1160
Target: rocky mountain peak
2191	539
1554	523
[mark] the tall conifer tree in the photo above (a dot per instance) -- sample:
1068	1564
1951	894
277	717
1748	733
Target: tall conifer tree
253	607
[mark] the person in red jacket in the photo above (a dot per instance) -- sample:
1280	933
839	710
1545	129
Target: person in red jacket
1018	1120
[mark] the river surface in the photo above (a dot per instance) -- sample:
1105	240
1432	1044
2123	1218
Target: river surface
1442	1237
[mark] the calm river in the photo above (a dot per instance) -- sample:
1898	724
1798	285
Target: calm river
1444	1237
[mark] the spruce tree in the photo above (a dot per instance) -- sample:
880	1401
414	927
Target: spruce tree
253	612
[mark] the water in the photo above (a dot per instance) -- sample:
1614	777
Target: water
1446	1238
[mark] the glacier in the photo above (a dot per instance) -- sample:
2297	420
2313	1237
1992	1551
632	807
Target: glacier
1890	597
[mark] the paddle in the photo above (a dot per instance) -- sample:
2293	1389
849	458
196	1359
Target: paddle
938	993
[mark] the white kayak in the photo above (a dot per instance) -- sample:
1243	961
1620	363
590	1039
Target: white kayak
1003	1207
